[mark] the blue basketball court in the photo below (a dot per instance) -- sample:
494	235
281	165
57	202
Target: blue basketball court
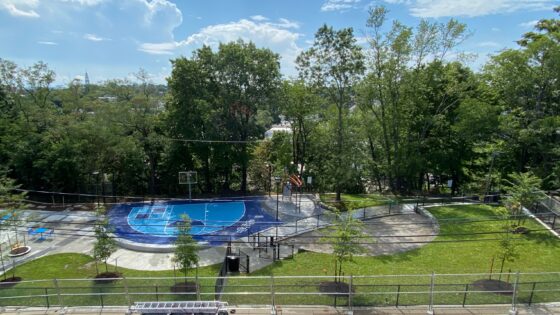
214	222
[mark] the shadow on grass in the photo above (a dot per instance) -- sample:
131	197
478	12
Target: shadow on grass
398	258
543	238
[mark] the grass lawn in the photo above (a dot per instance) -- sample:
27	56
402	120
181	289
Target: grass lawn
452	252
538	251
356	201
66	267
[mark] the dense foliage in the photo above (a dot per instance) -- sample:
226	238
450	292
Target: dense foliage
398	114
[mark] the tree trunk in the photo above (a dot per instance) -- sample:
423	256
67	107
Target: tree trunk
502	267
244	169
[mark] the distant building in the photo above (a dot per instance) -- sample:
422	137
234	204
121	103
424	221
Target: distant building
108	98
282	127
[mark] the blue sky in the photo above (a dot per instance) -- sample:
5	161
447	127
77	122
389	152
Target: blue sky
114	38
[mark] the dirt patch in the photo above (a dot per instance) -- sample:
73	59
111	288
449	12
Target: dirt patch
494	286
9	282
184	287
333	288
107	277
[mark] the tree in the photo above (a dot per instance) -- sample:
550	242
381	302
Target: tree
346	236
186	248
104	245
334	64
219	100
523	190
300	105
248	78
12	202
409	95
508	246
526	83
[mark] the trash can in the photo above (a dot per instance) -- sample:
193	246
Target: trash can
233	263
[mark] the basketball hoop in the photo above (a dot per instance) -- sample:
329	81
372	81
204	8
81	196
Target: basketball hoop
188	178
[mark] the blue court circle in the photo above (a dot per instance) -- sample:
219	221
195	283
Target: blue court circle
212	222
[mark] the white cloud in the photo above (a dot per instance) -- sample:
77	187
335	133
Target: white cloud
470	8
95	38
496	29
339	5
489	44
529	24
276	36
84	2
259	18
286	23
47	43
159	48
24	8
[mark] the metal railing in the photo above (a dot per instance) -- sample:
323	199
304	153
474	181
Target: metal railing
346	291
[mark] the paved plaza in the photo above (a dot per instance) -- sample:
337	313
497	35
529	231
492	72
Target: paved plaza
73	233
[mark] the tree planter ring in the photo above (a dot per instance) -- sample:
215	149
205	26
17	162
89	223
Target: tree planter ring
19	251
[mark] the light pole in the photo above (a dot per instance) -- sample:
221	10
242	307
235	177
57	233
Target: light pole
277	180
96	174
269	166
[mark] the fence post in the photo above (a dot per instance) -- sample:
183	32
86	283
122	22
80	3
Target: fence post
101	297
431	305
513	310
59	296
532	293
465	295
318	220
47	297
272	293
296	225
248	263
398	295
157	294
350	296
126	292
196	283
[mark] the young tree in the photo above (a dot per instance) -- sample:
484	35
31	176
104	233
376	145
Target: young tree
508	246
186	250
334	64
12	202
346	236
523	190
104	245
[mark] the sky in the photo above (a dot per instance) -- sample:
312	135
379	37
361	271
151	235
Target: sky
113	39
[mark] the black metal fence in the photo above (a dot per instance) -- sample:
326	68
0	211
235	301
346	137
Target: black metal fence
347	291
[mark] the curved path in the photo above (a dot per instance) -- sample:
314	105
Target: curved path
388	235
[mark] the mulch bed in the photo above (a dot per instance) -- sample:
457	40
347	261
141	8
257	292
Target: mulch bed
504	288
19	251
9	282
105	277
335	288
184	287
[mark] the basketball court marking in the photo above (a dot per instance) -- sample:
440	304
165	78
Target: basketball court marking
159	220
